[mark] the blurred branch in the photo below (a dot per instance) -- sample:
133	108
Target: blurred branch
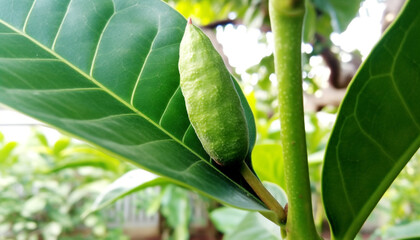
340	73
325	97
263	28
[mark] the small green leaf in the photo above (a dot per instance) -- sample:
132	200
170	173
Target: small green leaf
309	25
377	129
60	145
6	151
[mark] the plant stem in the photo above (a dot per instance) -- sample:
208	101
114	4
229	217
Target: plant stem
286	21
263	193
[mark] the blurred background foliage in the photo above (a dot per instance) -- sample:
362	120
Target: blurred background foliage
46	187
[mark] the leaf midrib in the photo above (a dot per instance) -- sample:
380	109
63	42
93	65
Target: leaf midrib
105	89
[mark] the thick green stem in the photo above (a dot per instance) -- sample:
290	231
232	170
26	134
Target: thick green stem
286	21
263	193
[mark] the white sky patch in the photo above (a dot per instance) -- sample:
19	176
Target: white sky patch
242	46
364	31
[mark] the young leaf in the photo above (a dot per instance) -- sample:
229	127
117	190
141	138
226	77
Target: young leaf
377	129
107	72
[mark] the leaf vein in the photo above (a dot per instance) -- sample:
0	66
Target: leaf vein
61	25
167	105
144	64
400	96
100	40
28	16
374	141
185	133
103	118
340	171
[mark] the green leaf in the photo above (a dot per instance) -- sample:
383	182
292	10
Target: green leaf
176	208
405	231
82	161
377	129
341	12
83	156
5	152
107	72
60	145
309	25
268	163
131	182
254	227
226	219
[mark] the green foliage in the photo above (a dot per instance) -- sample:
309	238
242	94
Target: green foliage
123	97
36	201
377	129
177	210
268	164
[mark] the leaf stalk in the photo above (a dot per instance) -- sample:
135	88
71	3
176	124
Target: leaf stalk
263	193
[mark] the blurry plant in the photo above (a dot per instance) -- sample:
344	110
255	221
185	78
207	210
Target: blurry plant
44	189
155	195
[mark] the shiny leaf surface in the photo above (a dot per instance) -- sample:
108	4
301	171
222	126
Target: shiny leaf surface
377	129
107	72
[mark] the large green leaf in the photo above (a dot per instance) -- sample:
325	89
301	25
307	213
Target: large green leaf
106	71
377	129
